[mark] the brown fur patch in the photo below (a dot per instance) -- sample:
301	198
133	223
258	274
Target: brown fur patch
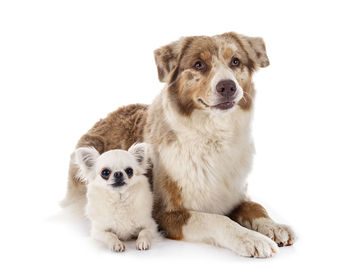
167	56
172	222
173	193
247	211
161	134
228	53
248	94
161	73
168	210
189	76
205	56
119	130
183	102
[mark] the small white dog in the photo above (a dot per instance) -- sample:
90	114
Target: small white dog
119	198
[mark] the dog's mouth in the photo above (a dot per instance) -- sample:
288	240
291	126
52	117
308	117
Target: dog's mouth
221	106
117	184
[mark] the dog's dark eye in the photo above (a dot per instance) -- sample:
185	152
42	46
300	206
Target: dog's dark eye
129	172
199	66
235	62
105	173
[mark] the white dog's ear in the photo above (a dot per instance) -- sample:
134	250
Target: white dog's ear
141	151
85	158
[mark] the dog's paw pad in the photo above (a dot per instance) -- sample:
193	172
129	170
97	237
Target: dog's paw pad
282	234
143	244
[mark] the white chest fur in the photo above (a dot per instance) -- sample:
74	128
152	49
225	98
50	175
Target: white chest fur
210	162
125	214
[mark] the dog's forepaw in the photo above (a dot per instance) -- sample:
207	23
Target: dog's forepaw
143	244
117	246
282	234
253	244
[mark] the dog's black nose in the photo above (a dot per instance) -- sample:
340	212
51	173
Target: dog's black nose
118	175
118	179
226	88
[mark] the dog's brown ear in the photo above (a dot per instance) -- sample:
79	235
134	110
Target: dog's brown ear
166	59
256	49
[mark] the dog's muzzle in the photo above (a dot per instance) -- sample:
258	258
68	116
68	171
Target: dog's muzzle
118	179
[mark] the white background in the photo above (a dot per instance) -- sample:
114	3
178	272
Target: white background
65	64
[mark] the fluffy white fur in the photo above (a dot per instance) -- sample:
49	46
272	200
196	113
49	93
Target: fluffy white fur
123	212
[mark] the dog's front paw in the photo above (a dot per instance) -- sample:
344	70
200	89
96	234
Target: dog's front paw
282	234
253	244
117	246
143	244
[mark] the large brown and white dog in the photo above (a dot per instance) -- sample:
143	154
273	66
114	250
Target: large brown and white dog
199	127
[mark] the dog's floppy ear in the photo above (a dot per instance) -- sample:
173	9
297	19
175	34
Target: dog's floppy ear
85	158
141	152
255	47
166	59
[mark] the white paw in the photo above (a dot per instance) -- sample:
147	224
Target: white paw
282	234
117	246
143	244
253	244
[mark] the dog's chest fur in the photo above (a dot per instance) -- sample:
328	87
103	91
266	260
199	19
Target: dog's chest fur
125	215
211	161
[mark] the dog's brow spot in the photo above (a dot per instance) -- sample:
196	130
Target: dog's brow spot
228	53
206	56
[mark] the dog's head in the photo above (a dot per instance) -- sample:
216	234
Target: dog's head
115	168
211	73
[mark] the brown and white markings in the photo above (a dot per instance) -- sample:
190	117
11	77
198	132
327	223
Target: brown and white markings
199	128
